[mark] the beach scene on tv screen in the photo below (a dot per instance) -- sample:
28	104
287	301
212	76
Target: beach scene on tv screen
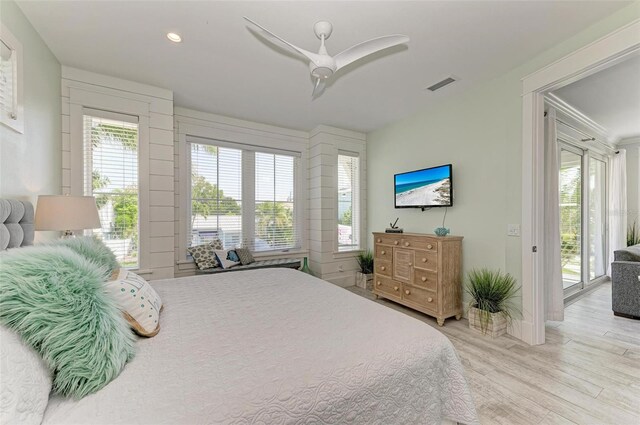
424	187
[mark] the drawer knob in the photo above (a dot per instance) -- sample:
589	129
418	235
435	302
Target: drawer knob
406	244
382	252
430	246
379	240
424	260
408	292
379	283
424	278
395	288
383	268
410	264
430	299
395	242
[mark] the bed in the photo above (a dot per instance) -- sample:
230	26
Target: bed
265	346
278	346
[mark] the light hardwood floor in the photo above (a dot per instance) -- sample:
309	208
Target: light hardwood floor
588	372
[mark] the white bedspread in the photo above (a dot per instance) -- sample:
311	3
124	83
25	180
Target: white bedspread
278	346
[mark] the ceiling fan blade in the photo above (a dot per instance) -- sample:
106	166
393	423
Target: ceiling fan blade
318	89
366	48
313	57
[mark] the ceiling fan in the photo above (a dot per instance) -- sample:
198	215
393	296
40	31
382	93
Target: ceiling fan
321	64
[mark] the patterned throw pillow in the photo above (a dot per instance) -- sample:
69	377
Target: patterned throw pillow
204	256
245	256
217	244
139	302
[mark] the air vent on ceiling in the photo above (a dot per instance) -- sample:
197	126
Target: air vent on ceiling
441	84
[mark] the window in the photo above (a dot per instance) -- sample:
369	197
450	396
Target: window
216	194
221	176
348	203
111	175
275	216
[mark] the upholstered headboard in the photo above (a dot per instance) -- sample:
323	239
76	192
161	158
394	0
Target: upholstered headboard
16	223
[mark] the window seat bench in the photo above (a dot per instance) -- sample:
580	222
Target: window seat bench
289	263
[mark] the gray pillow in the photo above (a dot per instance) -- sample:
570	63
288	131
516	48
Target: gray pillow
245	256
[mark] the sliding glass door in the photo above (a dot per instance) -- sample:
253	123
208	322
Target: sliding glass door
583	210
571	216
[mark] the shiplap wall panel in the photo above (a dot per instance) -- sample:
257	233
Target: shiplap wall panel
161	167
324	145
154	106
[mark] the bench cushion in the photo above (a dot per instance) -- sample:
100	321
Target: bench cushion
290	263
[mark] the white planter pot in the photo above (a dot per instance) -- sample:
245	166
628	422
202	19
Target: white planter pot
364	281
496	326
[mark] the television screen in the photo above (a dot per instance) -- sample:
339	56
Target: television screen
431	187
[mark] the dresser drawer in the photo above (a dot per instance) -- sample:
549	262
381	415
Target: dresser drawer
383	252
382	267
388	240
422	297
387	286
419	243
426	260
426	279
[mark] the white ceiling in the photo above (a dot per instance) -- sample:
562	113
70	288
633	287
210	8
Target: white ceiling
610	97
221	67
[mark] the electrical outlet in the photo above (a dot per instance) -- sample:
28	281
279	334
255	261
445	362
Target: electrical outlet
513	230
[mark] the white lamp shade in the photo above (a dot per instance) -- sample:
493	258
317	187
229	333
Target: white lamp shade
57	212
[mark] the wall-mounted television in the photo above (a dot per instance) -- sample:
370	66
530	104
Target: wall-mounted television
426	188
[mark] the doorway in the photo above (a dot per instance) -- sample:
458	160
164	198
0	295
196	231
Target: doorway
603	53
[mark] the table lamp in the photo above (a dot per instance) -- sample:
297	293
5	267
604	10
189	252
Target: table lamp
66	213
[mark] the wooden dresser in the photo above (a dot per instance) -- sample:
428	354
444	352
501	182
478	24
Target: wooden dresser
420	271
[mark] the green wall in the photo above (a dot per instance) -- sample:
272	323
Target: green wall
30	163
480	133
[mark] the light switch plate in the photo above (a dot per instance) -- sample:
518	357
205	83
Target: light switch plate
513	230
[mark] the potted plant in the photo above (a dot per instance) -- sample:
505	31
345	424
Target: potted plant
491	307
364	278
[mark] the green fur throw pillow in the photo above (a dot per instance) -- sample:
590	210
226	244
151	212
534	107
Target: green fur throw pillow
93	249
55	299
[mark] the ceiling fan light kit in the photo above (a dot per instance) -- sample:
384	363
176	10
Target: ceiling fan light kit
322	65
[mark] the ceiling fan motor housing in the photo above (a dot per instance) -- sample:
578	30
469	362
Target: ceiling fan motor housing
323	67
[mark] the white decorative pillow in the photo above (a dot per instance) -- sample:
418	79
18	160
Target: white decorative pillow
139	302
222	255
25	381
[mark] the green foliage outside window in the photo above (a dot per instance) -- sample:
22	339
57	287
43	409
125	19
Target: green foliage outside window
208	200
346	218
125	209
274	223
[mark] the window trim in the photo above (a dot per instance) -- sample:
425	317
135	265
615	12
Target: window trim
81	100
356	208
248	193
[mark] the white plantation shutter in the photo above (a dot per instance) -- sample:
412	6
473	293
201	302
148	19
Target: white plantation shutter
111	175
348	202
275	227
216	195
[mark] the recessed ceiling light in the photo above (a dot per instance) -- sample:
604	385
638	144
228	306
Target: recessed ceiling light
174	37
